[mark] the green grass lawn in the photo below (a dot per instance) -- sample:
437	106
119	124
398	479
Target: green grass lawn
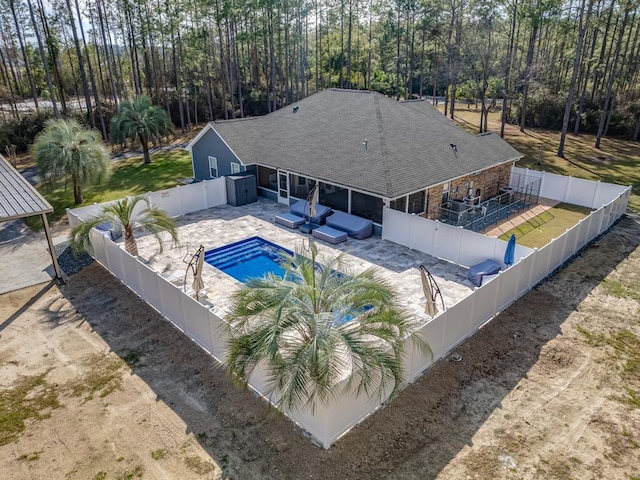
617	161
129	177
537	231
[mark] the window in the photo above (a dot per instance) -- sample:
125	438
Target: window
235	167
213	167
417	202
445	193
399	204
334	197
268	178
366	206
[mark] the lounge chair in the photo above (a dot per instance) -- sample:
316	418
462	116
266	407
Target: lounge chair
301	209
478	272
330	235
289	220
356	227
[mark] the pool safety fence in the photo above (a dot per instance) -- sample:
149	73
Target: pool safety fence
443	333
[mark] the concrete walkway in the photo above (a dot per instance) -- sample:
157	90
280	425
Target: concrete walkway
503	227
24	257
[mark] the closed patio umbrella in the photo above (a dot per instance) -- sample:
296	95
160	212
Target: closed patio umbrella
198	283
313	201
431	309
510	252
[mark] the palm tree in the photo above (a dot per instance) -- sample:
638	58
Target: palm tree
124	214
139	119
65	149
319	332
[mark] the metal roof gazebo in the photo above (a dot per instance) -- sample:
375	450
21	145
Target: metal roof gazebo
19	199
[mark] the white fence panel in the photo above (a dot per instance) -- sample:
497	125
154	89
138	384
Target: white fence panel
196	318
193	197
595	222
526	281
422	233
397	227
571	238
219	337
508	286
476	248
607	217
485	303
557	252
582	236
167	200
97	248
216	192
74	220
150	287
171	303
447	243
317	424
527	176
89	211
114	259
459	316
581	192
432	333
131	271
344	412
539	266
554	187
606	192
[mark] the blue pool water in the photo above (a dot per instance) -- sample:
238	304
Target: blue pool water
249	258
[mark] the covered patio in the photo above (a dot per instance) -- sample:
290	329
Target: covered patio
19	199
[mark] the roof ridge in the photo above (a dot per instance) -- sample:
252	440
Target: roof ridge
383	146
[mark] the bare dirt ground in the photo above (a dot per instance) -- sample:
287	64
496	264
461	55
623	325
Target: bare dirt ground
105	389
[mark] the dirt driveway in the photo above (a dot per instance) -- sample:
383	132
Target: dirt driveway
95	385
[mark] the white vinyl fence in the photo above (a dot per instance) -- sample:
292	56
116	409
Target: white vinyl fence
443	332
460	321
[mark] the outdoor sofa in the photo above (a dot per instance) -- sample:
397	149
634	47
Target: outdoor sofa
330	235
299	214
356	227
478	272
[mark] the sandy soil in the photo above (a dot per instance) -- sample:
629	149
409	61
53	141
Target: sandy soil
541	391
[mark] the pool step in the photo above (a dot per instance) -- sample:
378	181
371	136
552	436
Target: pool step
234	254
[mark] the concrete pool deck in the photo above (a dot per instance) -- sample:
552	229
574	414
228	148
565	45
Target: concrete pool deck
226	224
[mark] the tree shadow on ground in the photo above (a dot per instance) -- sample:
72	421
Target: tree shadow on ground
415	436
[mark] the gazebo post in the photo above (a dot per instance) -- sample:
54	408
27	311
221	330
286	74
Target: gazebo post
52	251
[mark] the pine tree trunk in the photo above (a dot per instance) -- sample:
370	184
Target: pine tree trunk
582	28
45	63
25	58
527	74
83	75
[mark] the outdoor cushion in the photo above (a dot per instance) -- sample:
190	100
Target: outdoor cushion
478	271
329	234
356	227
110	231
301	208
289	220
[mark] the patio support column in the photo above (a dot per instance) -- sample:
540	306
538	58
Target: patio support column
52	252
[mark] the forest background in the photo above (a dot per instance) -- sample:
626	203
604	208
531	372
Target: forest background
566	65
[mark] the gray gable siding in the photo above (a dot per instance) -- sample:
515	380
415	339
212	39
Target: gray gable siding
211	145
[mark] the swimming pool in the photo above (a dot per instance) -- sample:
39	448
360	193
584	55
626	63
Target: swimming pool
249	258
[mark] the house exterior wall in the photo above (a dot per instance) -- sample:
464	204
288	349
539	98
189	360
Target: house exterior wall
211	145
488	181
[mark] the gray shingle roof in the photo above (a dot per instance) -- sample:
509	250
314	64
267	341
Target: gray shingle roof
18	198
408	143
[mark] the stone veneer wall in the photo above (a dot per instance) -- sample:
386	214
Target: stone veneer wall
489	182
